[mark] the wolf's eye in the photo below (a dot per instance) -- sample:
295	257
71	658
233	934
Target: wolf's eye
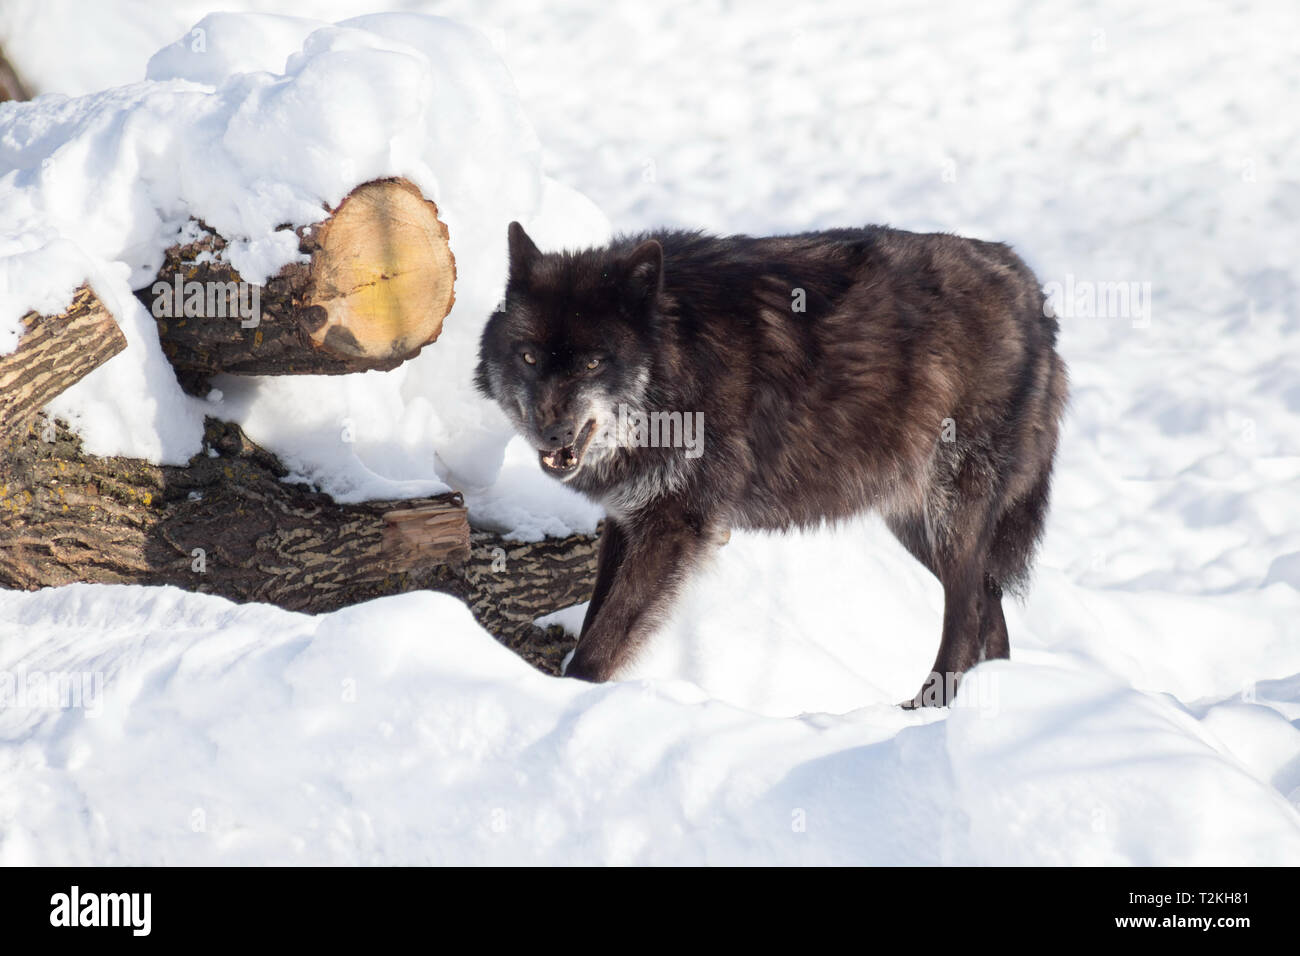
529	358
594	363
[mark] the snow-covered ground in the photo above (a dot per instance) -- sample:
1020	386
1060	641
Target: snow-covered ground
1151	712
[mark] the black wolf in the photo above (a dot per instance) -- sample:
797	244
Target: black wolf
833	372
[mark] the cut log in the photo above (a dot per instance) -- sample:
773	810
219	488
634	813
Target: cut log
378	282
381	273
53	353
227	524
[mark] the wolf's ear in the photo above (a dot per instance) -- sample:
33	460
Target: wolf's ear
644	269
523	252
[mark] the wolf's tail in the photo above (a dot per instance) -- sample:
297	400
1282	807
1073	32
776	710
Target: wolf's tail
1020	528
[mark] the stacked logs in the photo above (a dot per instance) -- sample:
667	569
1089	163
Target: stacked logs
376	282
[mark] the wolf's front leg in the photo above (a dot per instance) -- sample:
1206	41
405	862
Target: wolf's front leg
613	546
643	561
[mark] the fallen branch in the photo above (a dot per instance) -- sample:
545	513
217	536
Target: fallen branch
54	353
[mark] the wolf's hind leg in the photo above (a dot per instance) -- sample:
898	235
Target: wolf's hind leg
969	617
993	625
955	546
910	531
959	644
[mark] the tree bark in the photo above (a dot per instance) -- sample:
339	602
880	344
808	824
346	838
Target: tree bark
509	584
377	285
227	524
54	353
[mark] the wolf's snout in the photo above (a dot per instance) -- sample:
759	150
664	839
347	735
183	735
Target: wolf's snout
564	454
558	434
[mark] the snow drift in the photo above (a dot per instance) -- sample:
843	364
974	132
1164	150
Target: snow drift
398	732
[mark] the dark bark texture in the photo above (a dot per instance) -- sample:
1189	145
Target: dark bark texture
227	524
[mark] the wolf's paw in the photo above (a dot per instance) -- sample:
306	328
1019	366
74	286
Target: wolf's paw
581	668
937	691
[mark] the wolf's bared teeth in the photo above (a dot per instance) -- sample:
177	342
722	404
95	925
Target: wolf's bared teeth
560	459
567	458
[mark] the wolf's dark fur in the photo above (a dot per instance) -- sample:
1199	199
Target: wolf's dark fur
919	380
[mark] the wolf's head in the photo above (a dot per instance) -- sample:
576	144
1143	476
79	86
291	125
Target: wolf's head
572	342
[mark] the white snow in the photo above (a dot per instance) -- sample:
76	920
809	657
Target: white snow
397	732
1151	713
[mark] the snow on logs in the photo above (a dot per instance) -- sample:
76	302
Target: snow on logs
376	286
374	289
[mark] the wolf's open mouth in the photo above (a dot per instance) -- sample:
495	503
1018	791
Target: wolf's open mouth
563	462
